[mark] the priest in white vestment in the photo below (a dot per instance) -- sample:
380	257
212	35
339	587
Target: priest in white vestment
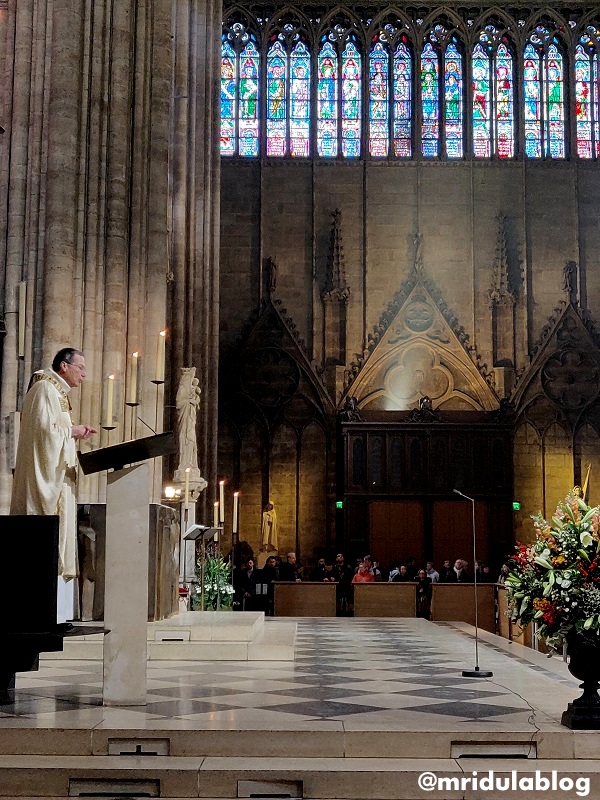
45	476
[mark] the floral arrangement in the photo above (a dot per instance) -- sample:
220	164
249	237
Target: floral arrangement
218	591
555	582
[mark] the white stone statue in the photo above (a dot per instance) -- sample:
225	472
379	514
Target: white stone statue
187	402
269	528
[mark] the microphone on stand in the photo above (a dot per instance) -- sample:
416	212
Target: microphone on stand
474	673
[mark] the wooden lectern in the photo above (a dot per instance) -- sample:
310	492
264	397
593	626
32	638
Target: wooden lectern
126	567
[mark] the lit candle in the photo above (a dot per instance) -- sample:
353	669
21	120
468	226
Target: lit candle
133	379
160	357
186	496
216	514
22	311
221	501
110	397
236	511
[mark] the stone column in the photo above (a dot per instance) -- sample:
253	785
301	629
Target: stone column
193	316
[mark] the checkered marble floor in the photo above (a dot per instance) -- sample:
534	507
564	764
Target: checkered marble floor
380	673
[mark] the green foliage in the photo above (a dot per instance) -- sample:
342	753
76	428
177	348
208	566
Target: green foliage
217	585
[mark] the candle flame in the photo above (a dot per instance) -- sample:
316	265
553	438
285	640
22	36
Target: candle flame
216	504
221	483
188	469
163	333
111	377
136	354
236	494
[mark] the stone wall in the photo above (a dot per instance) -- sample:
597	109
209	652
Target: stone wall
476	219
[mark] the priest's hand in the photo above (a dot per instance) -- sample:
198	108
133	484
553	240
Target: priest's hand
82	431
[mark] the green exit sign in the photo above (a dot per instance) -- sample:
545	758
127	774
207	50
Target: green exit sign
339	504
516	506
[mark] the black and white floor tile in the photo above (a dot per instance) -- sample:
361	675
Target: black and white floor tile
388	672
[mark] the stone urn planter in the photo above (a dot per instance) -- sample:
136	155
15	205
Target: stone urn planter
584	663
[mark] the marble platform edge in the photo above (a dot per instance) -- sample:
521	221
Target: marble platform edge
223	638
212	777
303	740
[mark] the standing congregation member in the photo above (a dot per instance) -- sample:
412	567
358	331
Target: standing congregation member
46	467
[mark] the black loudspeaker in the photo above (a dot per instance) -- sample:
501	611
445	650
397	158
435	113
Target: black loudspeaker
29	559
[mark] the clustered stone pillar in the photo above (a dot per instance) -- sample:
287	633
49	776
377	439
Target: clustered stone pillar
87	181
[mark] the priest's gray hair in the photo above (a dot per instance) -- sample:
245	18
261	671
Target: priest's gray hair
65	354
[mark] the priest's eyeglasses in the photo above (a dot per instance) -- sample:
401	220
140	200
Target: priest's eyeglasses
80	367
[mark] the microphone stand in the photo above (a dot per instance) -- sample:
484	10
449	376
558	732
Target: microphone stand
474	673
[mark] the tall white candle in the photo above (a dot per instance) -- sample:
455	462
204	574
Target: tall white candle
160	357
186	496
216	514
221	501
22	313
110	399
236	512
133	378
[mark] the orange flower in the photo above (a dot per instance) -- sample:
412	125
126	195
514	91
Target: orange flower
541	604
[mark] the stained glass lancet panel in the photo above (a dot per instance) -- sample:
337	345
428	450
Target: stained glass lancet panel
276	100
554	139
351	101
379	108
228	98
504	105
300	100
453	101
482	105
532	102
596	100
402	101
430	102
327	110
584	102
248	102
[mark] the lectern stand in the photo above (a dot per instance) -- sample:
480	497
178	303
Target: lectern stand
126	563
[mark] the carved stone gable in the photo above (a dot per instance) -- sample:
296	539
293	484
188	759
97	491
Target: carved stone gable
271	379
565	370
420	355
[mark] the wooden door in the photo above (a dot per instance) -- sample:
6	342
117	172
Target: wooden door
453	531
396	531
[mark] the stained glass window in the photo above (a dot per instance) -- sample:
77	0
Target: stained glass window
453	101
327	111
555	125
482	104
583	102
493	94
351	101
228	98
276	100
532	104
587	89
430	103
248	93
379	108
504	107
300	100
402	101
544	96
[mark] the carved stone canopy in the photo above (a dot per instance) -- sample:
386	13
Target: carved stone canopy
420	355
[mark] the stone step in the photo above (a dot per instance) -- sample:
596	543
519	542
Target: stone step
199	636
306	740
323	778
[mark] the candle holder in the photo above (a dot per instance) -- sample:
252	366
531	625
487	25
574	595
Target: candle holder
157	382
